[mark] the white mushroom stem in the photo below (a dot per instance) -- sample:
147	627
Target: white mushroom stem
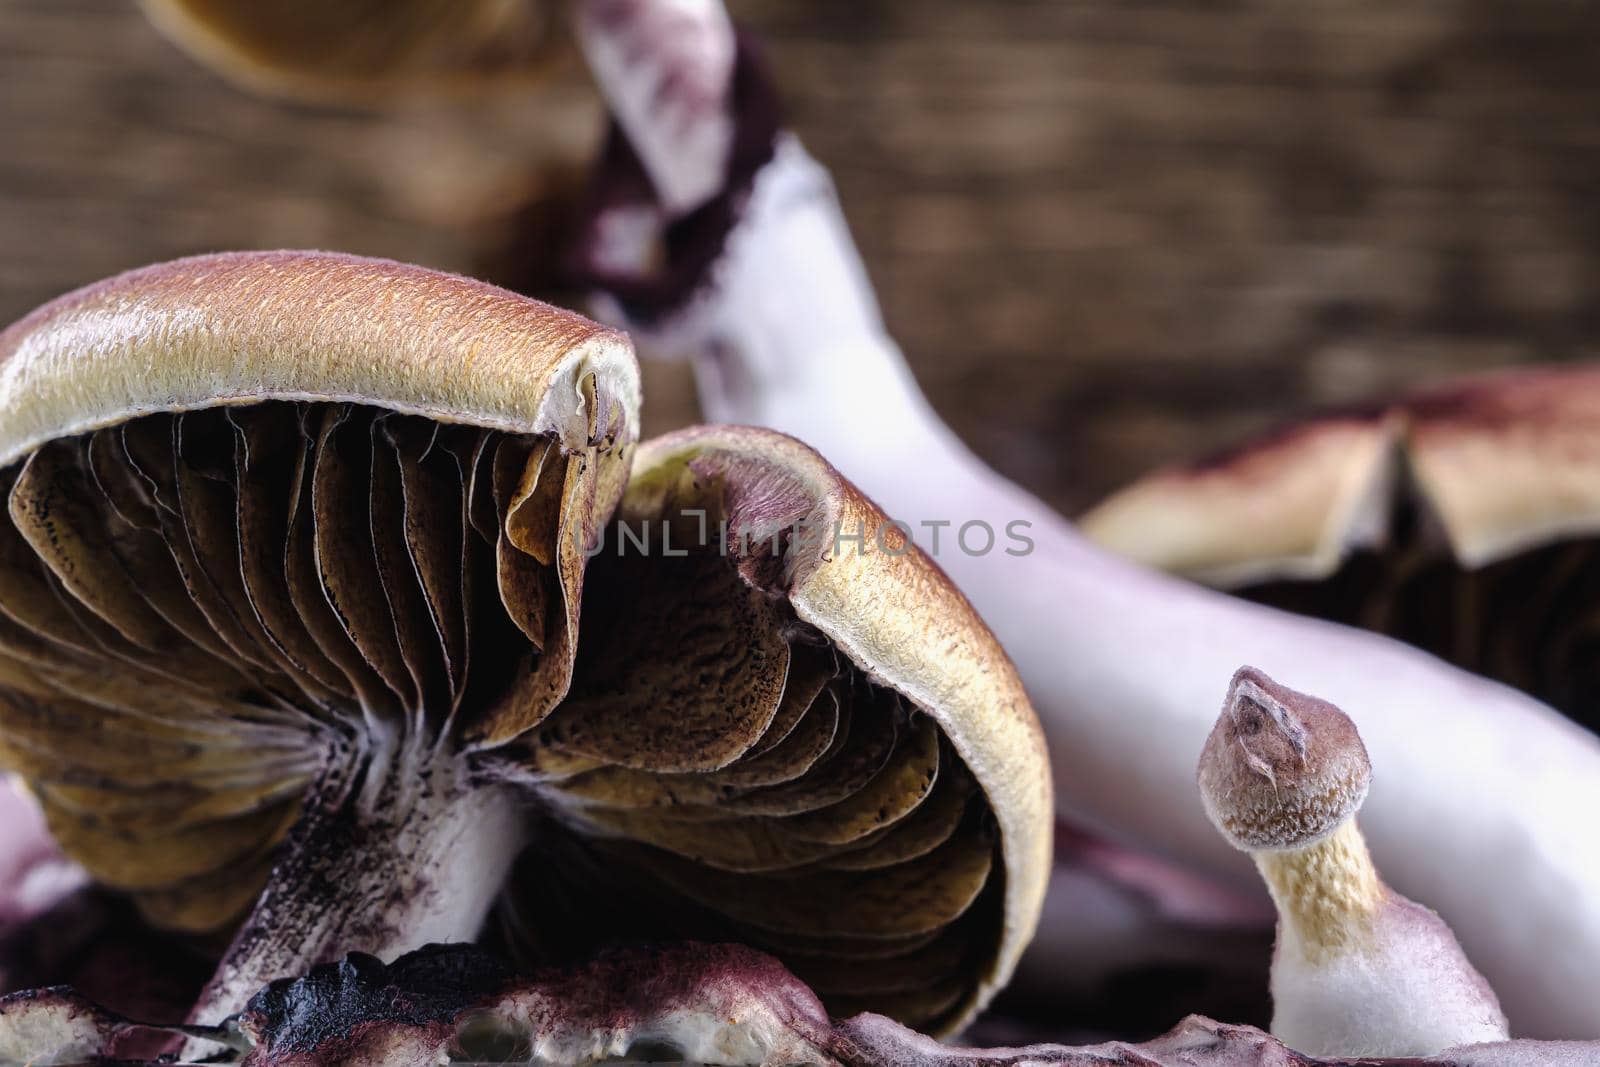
417	861
1486	805
1360	970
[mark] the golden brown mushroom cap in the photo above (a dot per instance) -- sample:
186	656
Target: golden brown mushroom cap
365	49
894	614
244	327
1501	462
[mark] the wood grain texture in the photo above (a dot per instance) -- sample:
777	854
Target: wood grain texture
1107	234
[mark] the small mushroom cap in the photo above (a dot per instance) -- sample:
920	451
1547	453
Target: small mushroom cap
1501	462
1281	769
367	50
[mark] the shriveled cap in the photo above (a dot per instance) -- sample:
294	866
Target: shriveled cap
1281	769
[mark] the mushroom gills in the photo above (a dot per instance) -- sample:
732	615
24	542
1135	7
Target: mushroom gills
221	624
788	802
321	660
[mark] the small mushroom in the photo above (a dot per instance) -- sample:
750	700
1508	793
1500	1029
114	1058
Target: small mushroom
770	301
368	49
289	630
1358	969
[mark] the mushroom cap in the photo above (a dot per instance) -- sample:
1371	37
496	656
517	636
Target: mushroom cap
367	49
1499	462
895	615
238	328
1281	769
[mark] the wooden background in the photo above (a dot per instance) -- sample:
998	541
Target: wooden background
1107	232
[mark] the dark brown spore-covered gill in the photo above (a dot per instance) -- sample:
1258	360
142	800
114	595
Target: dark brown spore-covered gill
223	631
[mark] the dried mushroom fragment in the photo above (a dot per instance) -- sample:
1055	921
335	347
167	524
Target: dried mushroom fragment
289	599
365	49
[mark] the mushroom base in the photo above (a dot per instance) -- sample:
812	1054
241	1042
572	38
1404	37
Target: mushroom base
415	858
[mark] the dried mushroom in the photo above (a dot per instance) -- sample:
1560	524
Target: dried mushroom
289	621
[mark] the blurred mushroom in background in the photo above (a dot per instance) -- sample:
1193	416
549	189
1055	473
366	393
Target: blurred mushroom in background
370	51
1461	519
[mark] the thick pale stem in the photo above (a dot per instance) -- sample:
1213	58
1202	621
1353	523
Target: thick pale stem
418	861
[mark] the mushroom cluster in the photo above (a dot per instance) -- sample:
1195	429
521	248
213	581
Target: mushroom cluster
290	609
311	637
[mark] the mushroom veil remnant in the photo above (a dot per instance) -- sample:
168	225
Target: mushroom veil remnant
290	591
1358	970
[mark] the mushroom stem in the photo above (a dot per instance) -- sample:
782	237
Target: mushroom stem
1326	893
1121	663
417	860
1359	970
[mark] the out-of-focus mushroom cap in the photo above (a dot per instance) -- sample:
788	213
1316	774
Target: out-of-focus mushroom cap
244	327
1500	463
894	614
367	50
